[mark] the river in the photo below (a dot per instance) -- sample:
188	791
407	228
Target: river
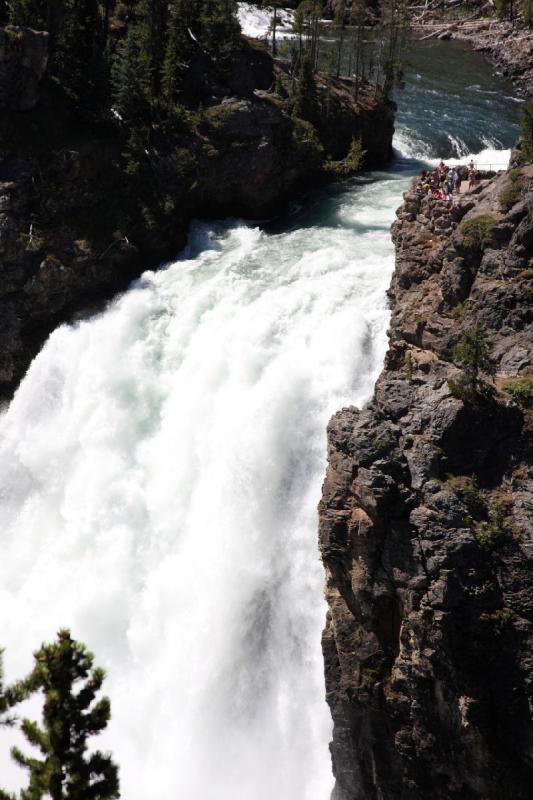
161	464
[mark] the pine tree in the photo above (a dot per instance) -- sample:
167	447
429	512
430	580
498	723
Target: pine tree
151	22
274	6
64	672
218	28
340	12
395	15
6	697
312	11
76	51
130	78
358	18
473	354
305	99
34	13
177	51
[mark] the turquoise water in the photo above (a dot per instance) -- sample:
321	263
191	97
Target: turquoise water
453	104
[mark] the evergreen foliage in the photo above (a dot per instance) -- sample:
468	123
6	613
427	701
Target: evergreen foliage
64	673
150	58
473	498
395	15
6	698
305	103
528	13
526	123
217	28
177	50
473	354
76	38
477	232
34	13
502	8
351	164
493	534
130	77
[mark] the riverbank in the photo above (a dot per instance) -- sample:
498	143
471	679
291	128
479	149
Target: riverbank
82	214
425	520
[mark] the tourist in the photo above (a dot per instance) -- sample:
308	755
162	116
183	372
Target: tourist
452	178
448	188
471	177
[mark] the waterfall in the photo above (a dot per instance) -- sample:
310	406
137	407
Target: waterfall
160	469
161	463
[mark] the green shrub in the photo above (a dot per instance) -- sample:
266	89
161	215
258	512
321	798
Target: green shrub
502	8
477	232
459	311
473	354
502	619
305	103
409	367
513	191
528	13
520	390
349	165
473	498
461	389
493	534
31	242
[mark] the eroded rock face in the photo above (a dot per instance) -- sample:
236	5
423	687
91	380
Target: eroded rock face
428	639
23	60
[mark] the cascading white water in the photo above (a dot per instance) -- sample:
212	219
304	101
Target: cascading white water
160	470
161	464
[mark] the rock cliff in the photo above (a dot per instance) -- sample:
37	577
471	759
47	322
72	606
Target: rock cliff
77	223
426	521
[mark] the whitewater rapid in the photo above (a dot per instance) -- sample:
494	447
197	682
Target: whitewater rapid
256	21
160	470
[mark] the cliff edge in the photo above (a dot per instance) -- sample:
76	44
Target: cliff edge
426	520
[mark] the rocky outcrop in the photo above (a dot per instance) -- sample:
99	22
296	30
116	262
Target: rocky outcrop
426	523
76	225
23	60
